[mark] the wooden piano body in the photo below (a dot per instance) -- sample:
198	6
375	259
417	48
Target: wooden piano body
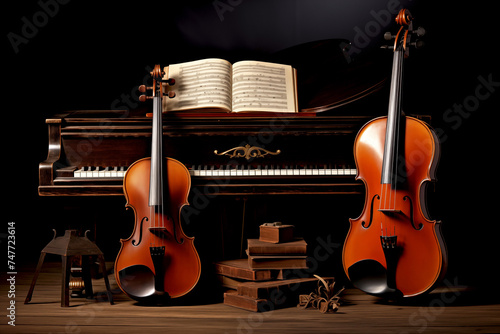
304	153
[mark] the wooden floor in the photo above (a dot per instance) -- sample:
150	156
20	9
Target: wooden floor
446	310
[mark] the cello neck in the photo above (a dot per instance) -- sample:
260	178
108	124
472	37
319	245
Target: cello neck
392	135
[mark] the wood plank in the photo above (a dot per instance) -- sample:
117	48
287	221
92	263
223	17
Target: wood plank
446	310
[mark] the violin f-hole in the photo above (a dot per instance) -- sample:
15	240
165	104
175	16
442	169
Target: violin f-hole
134	243
363	223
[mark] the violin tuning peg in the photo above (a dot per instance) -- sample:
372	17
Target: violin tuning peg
170	82
143	88
171	94
143	98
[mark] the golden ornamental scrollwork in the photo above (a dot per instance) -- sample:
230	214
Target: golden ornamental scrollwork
248	152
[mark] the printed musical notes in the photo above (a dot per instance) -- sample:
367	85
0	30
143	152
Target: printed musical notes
201	84
262	86
245	86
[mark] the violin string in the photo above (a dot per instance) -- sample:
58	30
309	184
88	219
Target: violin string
389	190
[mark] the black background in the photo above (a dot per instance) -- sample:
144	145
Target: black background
86	54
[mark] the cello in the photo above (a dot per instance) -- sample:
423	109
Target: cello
157	262
393	249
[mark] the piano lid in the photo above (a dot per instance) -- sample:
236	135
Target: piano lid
327	76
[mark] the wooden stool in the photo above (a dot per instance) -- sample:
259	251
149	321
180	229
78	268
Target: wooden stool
67	246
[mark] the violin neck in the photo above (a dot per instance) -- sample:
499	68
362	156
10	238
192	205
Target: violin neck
393	128
156	179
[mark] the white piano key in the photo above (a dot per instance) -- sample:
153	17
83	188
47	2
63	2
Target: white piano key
101	172
196	171
78	173
203	171
87	172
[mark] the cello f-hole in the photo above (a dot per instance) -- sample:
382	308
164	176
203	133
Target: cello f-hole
420	225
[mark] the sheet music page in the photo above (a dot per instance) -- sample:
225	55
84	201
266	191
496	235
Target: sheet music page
261	86
200	84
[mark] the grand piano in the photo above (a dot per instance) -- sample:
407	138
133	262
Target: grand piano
309	152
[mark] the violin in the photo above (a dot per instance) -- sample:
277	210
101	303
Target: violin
393	249
158	261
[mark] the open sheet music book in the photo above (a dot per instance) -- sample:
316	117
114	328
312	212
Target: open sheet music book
245	86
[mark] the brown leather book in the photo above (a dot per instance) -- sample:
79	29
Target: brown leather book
297	246
240	269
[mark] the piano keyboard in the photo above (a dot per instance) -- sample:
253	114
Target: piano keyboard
100	172
236	171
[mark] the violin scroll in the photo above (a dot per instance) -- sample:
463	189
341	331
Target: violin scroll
158	84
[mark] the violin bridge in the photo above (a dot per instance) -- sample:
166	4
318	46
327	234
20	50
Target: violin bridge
159	231
390	212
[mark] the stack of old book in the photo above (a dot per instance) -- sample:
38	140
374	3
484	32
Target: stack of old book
272	276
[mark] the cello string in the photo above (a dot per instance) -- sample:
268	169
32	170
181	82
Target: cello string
398	127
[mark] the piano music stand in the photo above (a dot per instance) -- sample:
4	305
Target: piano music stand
67	246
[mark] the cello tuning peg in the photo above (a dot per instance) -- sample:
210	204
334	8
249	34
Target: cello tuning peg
388	36
418	44
420	31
